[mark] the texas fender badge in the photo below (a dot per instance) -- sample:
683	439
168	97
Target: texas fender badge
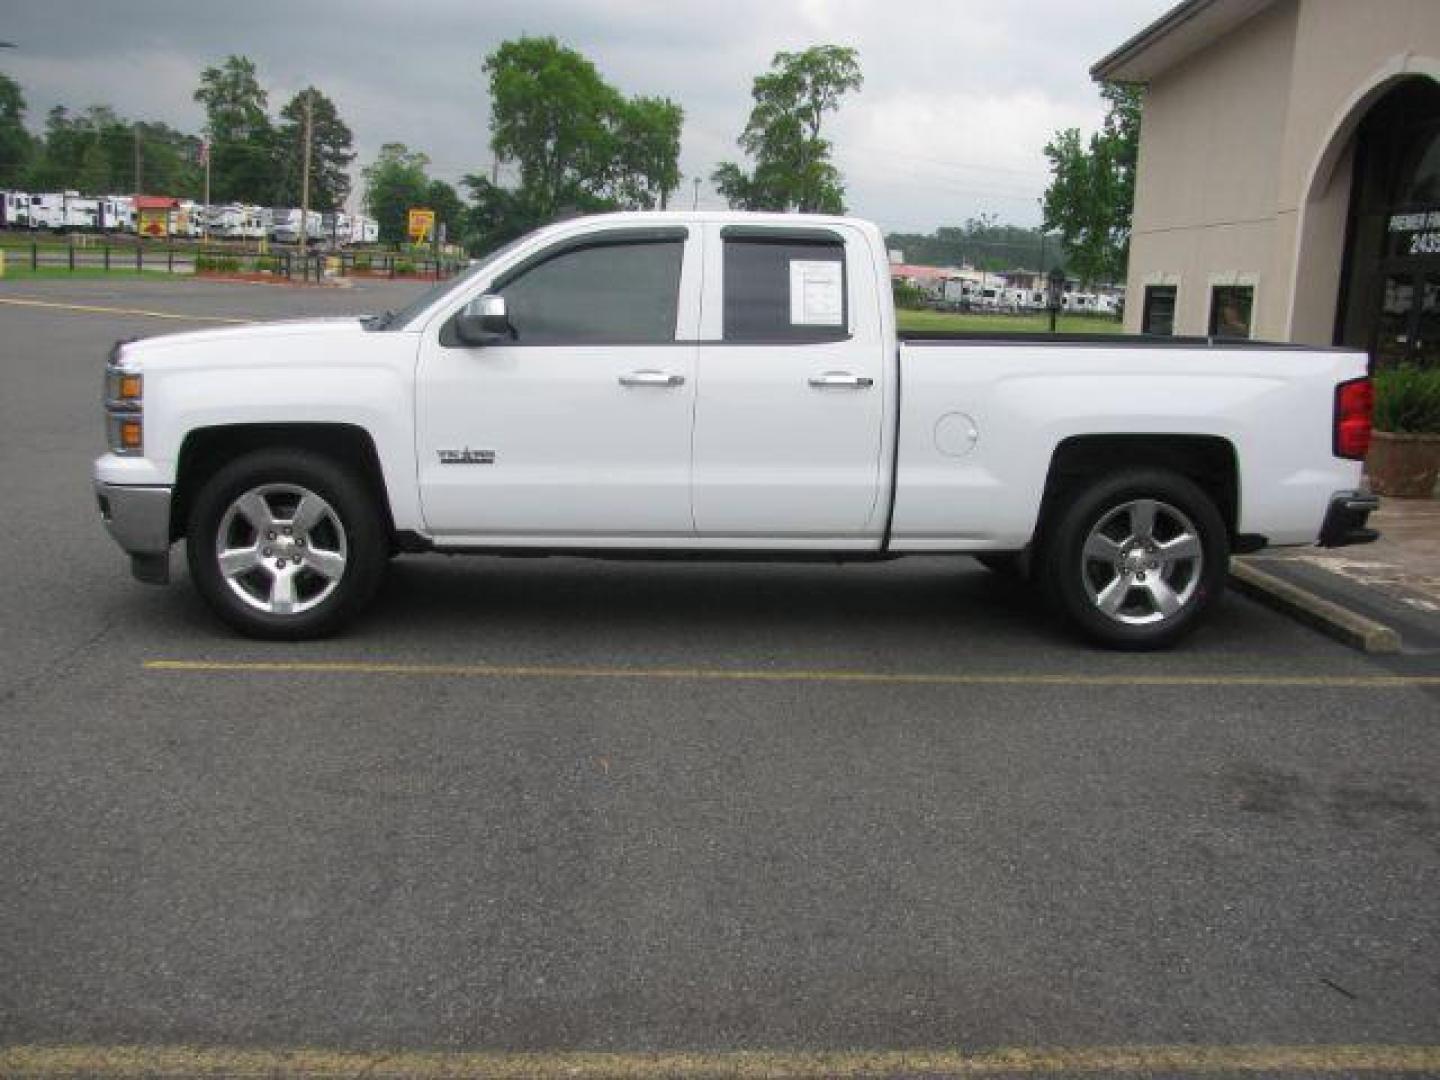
466	457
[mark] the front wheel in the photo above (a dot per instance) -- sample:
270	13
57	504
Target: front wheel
1137	558
285	545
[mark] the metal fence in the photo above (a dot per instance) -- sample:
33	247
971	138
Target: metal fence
289	265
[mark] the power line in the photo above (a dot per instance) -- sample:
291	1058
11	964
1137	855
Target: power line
950	164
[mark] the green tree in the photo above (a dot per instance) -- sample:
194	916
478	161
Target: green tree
94	175
395	182
576	140
550	114
449	210
95	152
243	152
72	152
1092	188
982	242
647	152
170	159
16	145
497	215
792	168
330	152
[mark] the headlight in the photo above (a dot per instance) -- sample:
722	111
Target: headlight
124	407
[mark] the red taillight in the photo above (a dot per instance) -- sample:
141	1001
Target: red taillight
1353	402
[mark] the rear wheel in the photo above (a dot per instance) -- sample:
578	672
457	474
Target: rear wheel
1137	558
285	545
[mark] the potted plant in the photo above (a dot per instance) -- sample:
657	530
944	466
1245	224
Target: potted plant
1404	457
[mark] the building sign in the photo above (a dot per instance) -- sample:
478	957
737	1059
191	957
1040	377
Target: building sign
421	226
1415	232
154	223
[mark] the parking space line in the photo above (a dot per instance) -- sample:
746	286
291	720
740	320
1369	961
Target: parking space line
522	671
49	1062
95	309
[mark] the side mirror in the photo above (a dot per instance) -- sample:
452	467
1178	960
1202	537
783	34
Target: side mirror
483	321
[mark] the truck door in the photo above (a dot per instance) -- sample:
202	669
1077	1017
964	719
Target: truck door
791	396
579	428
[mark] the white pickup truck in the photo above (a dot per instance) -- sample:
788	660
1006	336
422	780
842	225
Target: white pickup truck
718	385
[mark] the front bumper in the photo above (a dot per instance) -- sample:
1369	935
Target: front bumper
1345	520
139	521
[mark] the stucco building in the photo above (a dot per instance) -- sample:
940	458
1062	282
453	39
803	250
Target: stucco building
1289	175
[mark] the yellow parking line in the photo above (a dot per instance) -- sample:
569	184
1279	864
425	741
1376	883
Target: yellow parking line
521	671
49	1062
95	309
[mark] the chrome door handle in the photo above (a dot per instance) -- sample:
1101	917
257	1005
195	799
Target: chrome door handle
652	378
842	379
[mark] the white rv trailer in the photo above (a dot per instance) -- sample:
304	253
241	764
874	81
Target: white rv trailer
80	212
959	290
285	225
335	225
116	213
236	221
185	219
241	221
223	221
47	211
14	210
364	229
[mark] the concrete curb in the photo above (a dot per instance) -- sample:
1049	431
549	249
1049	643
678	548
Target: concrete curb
1329	618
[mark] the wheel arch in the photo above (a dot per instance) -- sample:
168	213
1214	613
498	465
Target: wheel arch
1208	461
206	450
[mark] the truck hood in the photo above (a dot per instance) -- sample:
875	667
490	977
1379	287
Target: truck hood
145	348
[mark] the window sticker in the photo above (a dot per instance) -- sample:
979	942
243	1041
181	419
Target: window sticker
816	293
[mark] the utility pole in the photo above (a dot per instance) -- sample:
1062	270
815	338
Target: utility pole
305	169
205	220
695	200
139	160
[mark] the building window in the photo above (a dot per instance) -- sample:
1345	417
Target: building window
1158	315
1230	309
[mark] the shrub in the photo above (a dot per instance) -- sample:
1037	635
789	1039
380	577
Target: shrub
404	266
908	296
1407	400
217	264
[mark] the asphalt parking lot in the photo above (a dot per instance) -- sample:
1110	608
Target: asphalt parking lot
554	805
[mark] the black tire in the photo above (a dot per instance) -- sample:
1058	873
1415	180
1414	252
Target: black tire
1082	586
353	525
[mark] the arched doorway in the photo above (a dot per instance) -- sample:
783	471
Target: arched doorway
1390	280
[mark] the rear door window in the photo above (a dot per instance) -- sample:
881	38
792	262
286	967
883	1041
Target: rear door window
785	288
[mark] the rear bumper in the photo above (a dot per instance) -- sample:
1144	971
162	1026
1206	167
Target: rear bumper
1345	521
138	519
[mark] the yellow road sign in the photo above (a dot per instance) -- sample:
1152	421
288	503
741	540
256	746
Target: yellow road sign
421	225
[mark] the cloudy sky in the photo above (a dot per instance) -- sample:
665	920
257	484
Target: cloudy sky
960	96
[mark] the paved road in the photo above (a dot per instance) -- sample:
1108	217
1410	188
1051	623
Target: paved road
515	810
